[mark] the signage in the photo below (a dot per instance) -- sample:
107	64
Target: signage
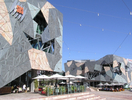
18	11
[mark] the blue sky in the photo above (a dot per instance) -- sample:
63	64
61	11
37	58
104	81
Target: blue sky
95	28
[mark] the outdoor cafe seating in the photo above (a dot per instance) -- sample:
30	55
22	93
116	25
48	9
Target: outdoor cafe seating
63	88
113	87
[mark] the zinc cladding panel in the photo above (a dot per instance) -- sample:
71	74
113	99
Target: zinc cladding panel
66	67
109	73
100	78
37	3
59	40
118	78
54	29
108	78
90	65
108	58
45	35
98	67
30	29
54	58
58	66
118	59
53	23
33	10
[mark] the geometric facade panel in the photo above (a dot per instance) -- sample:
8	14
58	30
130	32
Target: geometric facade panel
5	25
34	10
45	10
108	68
38	60
23	38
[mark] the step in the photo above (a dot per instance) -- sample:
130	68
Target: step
76	96
69	95
94	98
86	97
102	99
73	96
99	98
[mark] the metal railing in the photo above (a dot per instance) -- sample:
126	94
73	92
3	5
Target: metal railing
62	90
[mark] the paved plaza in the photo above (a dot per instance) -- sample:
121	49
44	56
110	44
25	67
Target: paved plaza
123	95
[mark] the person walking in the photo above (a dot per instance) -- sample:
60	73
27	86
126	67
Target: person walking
24	87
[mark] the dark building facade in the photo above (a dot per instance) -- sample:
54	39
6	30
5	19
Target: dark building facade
110	68
30	40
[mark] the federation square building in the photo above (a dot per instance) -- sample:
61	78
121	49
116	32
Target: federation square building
30	40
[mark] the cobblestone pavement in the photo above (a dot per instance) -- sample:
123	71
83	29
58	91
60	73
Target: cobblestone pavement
124	95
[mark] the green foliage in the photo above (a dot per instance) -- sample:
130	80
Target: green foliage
44	89
75	88
62	89
46	82
42	82
36	83
49	90
72	88
40	86
52	81
127	88
82	88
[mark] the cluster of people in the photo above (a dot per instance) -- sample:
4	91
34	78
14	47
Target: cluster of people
107	89
16	89
111	88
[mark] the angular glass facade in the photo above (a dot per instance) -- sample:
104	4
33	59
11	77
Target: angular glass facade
30	40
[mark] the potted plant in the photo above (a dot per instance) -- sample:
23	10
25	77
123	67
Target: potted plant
82	88
40	88
62	89
72	88
50	91
36	86
75	88
43	92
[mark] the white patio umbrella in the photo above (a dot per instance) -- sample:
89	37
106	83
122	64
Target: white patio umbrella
100	84
57	76
42	77
106	84
112	84
70	77
80	77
